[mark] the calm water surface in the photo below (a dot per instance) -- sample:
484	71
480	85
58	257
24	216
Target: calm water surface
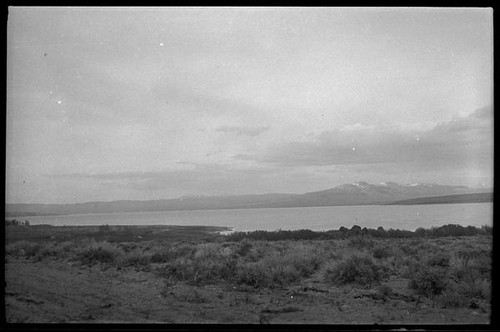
408	217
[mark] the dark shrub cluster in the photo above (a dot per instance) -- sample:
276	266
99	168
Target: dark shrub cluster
302	234
35	251
99	253
428	280
381	252
355	269
136	259
360	242
247	264
441	259
279	268
104	228
244	249
452	230
167	253
264	275
203	264
23	249
15	222
198	272
469	278
357	231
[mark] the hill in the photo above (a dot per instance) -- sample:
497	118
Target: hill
358	193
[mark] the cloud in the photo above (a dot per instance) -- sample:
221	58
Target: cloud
243	130
462	142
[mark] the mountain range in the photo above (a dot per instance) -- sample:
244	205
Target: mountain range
358	193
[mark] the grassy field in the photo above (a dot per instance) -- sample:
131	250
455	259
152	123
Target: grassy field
175	274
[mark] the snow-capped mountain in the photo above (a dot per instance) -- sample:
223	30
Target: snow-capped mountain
364	193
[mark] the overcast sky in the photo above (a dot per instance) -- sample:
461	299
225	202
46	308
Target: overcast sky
149	103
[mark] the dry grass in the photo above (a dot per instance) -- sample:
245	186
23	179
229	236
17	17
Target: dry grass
453	271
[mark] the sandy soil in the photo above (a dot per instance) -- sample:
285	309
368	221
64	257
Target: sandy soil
65	292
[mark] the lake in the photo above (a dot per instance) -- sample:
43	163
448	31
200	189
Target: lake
407	217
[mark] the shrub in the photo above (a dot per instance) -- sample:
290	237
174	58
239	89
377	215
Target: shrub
477	288
167	253
202	264
396	233
255	274
354	269
281	267
409	249
127	246
478	257
93	255
442	260
135	258
303	258
381	252
421	232
380	232
483	265
279	235
203	271
23	249
49	250
104	228
267	274
34	251
452	299
102	252
465	293
244	248
385	291
160	257
428	280
485	229
396	264
284	274
360	242
473	273
183	250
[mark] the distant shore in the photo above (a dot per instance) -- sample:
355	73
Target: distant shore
448	199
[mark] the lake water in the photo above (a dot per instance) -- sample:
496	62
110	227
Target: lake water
407	217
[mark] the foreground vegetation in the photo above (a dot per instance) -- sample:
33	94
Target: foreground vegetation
450	265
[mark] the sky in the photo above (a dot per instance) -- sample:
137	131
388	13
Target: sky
150	103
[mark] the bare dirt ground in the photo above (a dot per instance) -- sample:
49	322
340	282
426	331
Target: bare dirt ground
65	292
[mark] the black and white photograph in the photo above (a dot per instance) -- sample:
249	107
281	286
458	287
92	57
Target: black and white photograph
249	165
